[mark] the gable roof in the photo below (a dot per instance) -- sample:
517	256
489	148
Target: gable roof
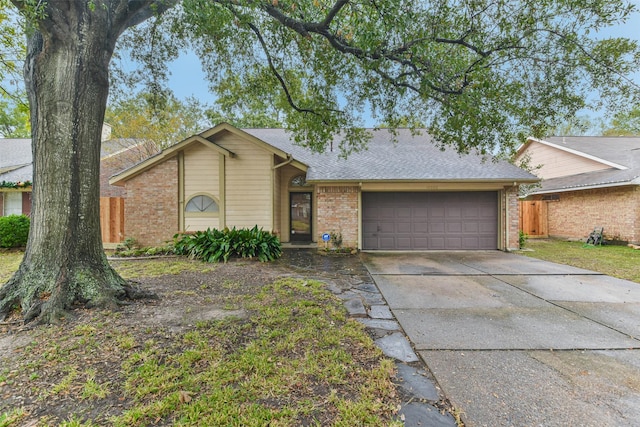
412	158
620	154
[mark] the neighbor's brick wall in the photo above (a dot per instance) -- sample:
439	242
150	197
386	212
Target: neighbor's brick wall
337	211
513	220
151	210
578	212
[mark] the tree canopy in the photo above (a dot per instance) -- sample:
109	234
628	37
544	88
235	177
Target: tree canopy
478	74
624	124
160	119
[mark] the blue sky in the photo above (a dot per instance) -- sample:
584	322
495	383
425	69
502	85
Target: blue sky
188	79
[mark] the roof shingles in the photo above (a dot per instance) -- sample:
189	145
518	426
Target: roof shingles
412	158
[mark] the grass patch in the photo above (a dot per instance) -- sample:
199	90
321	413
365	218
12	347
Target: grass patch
129	269
294	359
617	261
9	263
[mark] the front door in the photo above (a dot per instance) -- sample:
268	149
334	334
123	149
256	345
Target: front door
300	217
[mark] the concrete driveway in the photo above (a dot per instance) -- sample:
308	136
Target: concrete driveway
515	341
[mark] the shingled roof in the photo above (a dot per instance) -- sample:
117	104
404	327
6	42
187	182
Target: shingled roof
15	160
410	158
620	154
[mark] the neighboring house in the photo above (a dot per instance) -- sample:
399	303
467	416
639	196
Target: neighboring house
15	177
405	196
16	172
588	182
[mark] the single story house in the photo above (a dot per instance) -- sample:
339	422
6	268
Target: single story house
587	182
408	195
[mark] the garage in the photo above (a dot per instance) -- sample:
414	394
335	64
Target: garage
465	220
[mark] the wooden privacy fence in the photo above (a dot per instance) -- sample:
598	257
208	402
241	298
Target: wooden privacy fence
112	219
533	218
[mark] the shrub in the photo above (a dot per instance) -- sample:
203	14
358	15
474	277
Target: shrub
522	238
14	231
214	245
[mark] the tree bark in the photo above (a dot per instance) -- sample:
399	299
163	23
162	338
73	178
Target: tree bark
66	76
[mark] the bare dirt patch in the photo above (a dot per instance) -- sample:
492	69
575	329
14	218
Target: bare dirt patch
72	373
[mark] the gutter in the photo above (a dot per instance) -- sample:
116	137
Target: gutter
635	181
286	162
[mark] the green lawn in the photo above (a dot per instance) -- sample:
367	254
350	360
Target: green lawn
289	355
9	263
616	261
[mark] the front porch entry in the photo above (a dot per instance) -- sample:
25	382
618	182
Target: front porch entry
300	214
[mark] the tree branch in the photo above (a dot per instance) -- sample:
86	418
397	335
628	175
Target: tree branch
278	76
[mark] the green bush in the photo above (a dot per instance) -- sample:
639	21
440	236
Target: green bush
215	245
522	238
14	231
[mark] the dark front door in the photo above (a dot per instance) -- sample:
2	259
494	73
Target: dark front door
300	217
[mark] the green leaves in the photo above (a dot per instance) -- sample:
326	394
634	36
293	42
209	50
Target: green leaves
478	75
214	245
14	231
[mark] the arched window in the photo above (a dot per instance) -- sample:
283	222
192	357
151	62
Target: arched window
299	181
202	204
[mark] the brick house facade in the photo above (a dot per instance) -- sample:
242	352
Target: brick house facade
151	208
574	214
260	177
338	212
587	182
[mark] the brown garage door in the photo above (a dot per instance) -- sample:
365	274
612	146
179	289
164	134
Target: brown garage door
413	221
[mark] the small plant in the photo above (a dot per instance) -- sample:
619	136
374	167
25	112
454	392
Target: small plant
14	231
129	243
336	239
522	238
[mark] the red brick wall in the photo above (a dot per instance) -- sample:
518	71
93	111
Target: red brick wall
337	211
513	220
151	208
616	209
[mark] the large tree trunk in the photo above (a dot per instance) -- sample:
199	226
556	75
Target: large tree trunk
66	76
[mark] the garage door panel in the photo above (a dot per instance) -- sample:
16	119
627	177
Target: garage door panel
404	243
404	227
386	227
453	212
454	227
437	227
387	242
470	227
420	213
436	212
387	212
420	227
488	227
436	220
436	242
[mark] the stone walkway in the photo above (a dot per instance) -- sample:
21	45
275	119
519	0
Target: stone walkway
348	278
